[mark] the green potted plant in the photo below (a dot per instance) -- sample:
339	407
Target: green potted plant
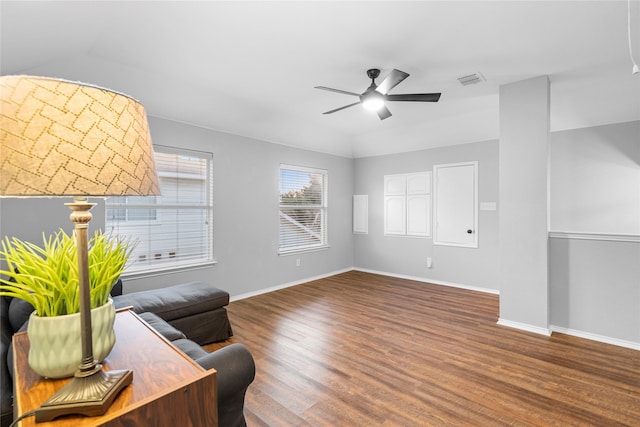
47	278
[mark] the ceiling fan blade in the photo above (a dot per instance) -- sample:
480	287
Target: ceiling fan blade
391	81
419	97
342	108
384	113
337	90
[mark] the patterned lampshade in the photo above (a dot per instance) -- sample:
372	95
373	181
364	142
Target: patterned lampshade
62	138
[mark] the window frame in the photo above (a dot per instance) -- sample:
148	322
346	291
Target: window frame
323	208
125	207
206	256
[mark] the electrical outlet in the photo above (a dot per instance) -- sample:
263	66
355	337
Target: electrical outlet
429	262
297	262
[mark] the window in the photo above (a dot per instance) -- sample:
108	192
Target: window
303	209
126	214
174	229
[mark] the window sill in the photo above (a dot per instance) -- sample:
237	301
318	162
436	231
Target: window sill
299	251
166	270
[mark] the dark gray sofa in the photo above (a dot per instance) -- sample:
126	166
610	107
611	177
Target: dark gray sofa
189	315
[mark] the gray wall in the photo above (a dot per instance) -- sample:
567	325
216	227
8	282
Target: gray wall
245	213
595	289
595	179
594	252
407	256
594	284
29	218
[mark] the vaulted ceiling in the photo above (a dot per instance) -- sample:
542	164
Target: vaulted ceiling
249	68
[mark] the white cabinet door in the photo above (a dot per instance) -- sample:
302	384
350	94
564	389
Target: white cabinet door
419	183
456	204
418	215
394	185
407	204
394	215
361	214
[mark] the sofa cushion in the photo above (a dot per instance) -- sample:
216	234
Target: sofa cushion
162	327
6	383
175	302
116	289
19	312
5	331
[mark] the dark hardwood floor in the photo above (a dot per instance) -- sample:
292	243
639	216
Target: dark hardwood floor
359	349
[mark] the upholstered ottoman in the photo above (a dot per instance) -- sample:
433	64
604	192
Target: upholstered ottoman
196	308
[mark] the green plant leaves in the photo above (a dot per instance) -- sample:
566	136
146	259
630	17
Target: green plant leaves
47	276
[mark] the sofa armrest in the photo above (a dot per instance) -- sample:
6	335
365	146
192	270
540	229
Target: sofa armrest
235	372
235	369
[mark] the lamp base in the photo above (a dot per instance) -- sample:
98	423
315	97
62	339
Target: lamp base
89	395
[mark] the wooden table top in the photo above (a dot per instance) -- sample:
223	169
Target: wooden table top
158	368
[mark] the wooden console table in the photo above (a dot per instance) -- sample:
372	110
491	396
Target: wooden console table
168	388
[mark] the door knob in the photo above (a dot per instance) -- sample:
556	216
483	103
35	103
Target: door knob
469	231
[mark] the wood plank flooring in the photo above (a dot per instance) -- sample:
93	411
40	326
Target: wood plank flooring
358	349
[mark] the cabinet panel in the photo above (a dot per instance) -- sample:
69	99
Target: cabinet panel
408	204
394	185
419	183
418	218
394	215
361	214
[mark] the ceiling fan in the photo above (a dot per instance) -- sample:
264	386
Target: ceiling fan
375	96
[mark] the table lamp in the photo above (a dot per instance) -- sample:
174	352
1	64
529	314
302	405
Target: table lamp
61	138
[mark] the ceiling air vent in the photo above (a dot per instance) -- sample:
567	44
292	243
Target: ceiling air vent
471	79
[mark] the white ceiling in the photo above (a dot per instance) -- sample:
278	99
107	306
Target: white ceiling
249	68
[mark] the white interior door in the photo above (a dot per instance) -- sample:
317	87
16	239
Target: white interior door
456	204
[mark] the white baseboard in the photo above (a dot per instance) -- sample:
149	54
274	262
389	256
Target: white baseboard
595	337
427	280
524	327
383	273
286	285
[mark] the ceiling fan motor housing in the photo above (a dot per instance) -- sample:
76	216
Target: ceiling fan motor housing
373	73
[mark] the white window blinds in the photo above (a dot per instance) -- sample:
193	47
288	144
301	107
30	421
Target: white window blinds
174	229
303	208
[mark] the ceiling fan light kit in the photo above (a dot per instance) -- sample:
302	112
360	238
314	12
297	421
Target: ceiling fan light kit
373	101
375	96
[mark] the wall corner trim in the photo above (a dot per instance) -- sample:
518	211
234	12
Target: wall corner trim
524	327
